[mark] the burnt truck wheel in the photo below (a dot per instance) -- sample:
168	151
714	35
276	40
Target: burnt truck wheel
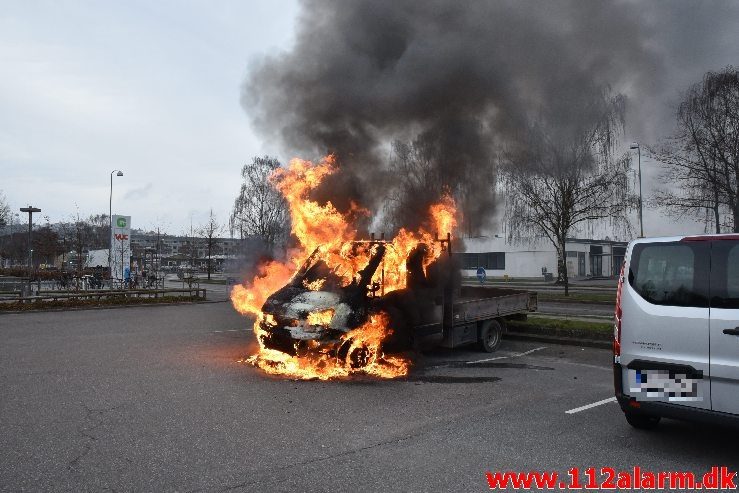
641	421
491	333
358	357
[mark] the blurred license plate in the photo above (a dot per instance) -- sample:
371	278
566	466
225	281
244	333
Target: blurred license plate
664	384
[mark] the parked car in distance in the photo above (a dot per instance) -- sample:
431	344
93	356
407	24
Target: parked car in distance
676	330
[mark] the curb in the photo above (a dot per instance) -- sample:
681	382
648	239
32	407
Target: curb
106	307
599	319
570	337
566	341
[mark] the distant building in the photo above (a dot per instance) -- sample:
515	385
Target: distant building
584	257
166	251
167	245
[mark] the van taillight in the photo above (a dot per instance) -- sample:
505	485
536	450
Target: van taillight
617	317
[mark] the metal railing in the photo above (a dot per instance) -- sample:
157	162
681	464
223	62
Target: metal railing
100	294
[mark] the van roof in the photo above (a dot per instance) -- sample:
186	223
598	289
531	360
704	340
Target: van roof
704	237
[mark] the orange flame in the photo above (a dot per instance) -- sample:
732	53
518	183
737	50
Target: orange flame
315	285
321	317
324	231
271	277
361	350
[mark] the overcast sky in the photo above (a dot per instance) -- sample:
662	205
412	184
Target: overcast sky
150	88
153	89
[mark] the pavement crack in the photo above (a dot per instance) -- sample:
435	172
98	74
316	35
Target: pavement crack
360	449
318	460
421	429
95	418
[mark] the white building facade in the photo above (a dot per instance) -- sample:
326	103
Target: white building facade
585	258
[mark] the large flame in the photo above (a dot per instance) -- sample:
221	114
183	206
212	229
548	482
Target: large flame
360	353
323	231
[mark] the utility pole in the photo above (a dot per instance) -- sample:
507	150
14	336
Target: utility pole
30	210
641	208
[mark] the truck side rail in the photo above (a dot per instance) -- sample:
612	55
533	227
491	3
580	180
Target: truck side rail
474	310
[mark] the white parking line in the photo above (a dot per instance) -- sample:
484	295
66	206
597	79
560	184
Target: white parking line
505	357
589	406
532	351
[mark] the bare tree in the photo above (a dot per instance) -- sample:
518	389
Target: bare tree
100	234
15	248
421	175
701	161
65	236
81	235
6	239
416	175
190	248
4	210
209	233
689	184
565	174
46	244
260	210
159	228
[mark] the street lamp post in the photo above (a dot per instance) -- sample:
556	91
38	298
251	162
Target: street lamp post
30	210
635	145
110	220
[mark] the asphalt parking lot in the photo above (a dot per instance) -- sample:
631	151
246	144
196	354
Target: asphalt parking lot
153	399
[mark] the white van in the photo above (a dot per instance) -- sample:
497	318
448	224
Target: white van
676	330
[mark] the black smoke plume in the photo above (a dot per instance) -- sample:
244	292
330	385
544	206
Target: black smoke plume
458	81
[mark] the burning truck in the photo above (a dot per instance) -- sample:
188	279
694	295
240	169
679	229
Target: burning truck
315	310
342	306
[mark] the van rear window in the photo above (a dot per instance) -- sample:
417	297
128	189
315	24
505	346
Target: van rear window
725	274
672	274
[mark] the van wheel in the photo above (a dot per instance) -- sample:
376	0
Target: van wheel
642	421
491	333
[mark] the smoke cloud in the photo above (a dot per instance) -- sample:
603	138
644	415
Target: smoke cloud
461	80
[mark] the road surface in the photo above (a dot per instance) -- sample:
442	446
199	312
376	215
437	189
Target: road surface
153	399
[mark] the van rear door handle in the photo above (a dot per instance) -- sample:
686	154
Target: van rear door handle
732	332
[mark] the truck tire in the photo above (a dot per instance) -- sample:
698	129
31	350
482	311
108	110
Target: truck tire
491	333
642	421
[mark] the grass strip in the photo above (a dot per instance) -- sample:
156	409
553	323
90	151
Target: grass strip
564	327
578	297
